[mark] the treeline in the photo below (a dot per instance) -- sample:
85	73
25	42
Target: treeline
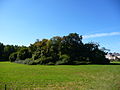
6	50
66	50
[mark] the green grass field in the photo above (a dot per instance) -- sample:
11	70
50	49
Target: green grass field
60	77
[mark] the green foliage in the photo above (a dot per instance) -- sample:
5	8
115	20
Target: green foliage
6	50
1	49
13	57
58	50
36	55
50	63
44	60
64	59
29	61
23	54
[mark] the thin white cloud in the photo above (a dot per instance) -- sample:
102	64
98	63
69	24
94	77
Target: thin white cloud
100	35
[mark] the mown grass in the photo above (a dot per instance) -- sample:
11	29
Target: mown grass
59	77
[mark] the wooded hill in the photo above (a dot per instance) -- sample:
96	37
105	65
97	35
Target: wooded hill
67	50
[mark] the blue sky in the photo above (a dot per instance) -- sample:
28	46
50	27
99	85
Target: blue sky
24	21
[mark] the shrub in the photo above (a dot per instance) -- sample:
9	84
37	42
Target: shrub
64	59
44	60
29	61
19	61
36	55
80	62
23	54
50	63
13	57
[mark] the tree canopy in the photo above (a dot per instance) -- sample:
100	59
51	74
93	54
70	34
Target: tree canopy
58	50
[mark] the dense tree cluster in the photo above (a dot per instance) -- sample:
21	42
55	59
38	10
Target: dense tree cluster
6	50
68	50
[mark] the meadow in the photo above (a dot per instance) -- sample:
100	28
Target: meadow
59	77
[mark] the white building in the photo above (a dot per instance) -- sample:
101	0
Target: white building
109	56
118	57
113	56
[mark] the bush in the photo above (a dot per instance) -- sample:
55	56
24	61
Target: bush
19	61
50	63
36	55
44	60
23	54
80	62
64	59
13	57
29	61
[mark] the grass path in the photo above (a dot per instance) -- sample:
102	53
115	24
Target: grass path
61	77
